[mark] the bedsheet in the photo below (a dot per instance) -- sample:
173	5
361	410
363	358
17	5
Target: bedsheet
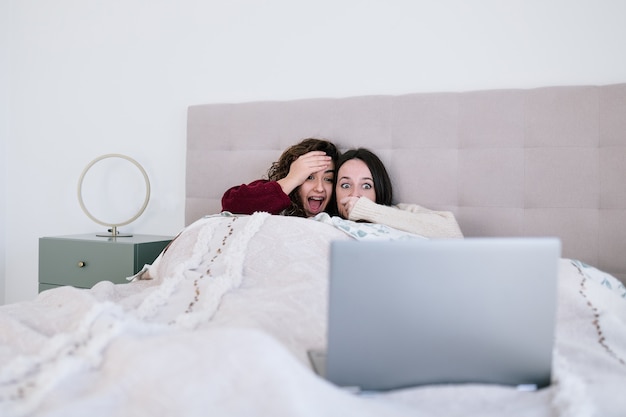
220	324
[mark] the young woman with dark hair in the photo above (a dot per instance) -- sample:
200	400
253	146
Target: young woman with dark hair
364	192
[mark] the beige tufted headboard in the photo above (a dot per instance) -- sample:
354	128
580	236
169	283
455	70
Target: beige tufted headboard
545	161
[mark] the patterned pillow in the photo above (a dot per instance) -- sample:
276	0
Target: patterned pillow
365	231
601	277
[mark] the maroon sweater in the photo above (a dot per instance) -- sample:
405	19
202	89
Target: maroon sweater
259	195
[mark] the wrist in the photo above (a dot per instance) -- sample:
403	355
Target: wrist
287	185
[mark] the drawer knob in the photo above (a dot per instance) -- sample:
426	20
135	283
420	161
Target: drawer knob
81	264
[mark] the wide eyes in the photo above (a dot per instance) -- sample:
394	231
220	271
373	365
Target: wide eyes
366	186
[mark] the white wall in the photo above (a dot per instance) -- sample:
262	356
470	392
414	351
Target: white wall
94	77
4	113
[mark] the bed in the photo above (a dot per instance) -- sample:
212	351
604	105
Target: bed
221	322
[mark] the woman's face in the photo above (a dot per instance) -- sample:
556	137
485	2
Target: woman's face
316	191
354	179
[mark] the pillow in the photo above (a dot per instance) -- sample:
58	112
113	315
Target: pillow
365	231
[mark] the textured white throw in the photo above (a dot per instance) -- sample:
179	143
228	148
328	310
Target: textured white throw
220	325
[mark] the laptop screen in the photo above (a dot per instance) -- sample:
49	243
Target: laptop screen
413	312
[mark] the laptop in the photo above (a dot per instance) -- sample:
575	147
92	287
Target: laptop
414	312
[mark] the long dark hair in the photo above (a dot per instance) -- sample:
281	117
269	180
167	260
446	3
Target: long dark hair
280	169
382	181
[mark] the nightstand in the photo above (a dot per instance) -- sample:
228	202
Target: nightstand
84	260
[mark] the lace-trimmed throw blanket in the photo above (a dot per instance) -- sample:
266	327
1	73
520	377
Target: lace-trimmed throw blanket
221	322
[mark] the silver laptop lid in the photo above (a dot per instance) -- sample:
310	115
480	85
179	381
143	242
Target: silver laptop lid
406	313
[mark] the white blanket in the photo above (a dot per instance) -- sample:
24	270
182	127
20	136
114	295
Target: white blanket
223	326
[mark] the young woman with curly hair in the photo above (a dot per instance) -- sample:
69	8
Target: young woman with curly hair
300	183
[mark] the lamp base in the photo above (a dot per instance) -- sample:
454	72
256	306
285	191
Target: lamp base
112	235
112	232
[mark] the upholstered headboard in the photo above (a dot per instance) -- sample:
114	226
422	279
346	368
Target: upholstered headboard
545	161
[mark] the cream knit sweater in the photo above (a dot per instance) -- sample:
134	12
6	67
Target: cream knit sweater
409	218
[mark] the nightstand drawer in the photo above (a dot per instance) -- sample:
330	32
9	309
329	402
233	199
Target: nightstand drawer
81	265
84	261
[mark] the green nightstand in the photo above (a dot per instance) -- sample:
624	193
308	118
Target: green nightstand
84	260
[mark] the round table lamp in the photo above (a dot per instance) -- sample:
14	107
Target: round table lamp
113	225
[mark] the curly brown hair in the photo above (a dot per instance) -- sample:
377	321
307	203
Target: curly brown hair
280	169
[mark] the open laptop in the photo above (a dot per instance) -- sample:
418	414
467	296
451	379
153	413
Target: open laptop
415	312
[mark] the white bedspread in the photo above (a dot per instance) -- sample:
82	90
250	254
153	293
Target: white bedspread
223	327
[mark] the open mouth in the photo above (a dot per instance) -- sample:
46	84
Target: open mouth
315	204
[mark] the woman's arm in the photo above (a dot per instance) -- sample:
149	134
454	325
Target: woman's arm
259	195
409	218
